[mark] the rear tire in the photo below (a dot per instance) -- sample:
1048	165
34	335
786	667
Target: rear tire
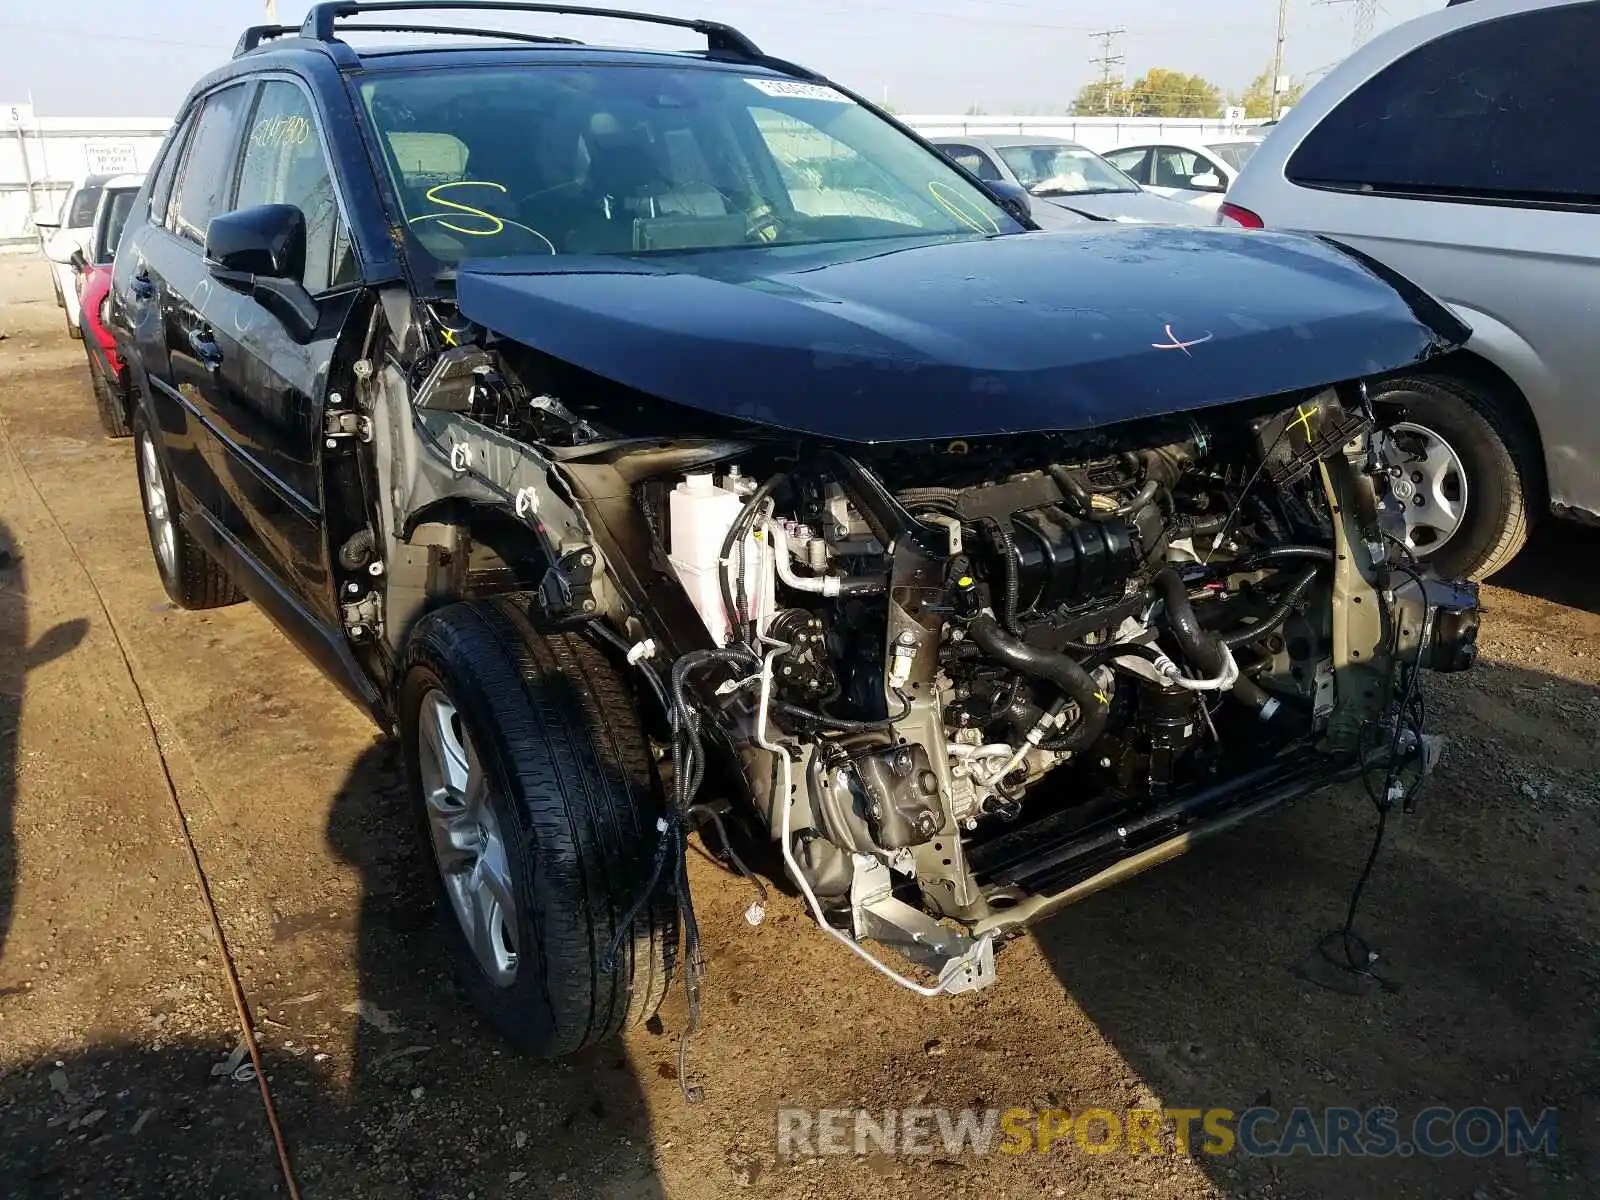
542	830
193	578
109	399
1499	461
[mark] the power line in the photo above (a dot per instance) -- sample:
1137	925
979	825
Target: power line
1108	63
1366	16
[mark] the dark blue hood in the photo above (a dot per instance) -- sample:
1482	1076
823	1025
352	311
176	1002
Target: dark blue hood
948	338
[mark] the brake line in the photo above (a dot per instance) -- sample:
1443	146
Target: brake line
235	987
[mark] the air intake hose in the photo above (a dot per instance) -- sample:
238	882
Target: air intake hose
1065	673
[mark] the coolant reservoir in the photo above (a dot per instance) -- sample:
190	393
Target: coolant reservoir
701	514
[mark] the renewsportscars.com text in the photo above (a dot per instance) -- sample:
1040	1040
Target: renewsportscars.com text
1434	1132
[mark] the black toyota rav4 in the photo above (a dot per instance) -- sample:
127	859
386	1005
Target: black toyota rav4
659	439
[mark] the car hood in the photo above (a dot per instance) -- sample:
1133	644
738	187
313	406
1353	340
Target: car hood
915	339
1133	207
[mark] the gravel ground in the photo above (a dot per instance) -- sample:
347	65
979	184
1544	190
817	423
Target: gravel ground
1178	988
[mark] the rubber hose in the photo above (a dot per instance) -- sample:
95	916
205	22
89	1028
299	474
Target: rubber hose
1274	620
1279	553
1065	673
1143	497
1072	488
1204	649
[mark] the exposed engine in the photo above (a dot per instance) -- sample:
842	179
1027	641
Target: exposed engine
976	677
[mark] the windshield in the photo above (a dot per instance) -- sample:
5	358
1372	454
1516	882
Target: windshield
1235	154
497	161
1054	170
118	205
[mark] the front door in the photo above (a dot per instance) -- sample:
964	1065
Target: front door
269	385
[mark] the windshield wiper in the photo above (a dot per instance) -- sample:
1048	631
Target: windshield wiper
1093	191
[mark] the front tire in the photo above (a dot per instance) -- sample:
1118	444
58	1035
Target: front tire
193	578
1468	470
533	784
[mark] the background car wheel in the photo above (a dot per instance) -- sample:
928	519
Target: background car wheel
108	399
193	578
534	786
1465	470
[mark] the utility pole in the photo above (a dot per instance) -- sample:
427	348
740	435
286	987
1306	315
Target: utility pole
272	12
1277	58
1108	64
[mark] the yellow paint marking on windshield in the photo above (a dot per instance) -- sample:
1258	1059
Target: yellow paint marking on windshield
955	204
448	220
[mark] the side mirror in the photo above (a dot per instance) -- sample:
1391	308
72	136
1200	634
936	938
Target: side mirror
1207	181
1014	199
79	260
60	248
260	252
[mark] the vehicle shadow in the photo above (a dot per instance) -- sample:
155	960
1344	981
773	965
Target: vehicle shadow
1480	906
437	1102
1554	566
17	658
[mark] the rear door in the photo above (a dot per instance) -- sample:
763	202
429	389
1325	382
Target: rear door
180	362
269	389
1476	177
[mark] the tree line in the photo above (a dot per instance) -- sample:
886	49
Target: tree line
1163	93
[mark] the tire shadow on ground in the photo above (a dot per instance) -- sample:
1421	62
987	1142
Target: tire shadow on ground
437	1101
1481	906
1556	565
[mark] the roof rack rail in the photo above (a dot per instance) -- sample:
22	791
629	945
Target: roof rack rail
509	35
256	34
721	39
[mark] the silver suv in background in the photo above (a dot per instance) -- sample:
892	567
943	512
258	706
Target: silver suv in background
1454	150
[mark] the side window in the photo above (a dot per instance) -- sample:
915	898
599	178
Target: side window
203	179
1468	115
1134	163
161	185
1175	167
974	160
284	163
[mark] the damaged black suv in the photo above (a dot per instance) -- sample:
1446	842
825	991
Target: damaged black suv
650	439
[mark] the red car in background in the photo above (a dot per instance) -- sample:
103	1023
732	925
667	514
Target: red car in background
106	369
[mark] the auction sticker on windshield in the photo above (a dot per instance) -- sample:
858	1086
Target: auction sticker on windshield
791	90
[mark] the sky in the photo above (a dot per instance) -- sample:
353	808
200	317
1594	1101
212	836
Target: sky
138	58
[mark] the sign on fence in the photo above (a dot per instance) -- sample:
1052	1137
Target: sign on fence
111	158
15	116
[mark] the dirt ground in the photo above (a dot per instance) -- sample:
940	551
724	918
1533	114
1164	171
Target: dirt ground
1176	988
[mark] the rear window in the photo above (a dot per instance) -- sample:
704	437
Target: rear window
496	162
84	203
1493	111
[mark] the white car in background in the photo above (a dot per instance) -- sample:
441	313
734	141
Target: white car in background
62	232
1193	172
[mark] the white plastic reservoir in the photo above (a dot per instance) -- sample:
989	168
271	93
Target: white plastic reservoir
701	514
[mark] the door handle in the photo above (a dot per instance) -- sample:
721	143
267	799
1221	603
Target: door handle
205	346
143	288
